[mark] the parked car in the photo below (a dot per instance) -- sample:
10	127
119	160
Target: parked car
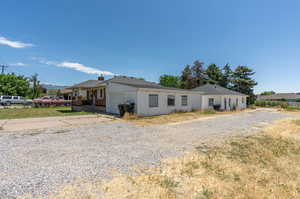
8	100
51	100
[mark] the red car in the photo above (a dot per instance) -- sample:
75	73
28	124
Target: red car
51	100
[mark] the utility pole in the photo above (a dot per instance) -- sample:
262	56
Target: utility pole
3	68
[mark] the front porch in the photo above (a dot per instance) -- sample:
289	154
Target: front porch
89	100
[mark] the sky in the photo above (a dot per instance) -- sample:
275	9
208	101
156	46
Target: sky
70	41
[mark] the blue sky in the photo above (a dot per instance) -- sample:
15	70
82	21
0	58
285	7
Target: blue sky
68	41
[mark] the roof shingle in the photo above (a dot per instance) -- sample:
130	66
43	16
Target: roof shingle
213	89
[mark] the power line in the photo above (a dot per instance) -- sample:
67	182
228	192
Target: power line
3	68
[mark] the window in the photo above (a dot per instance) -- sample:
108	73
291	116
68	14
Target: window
211	102
101	93
171	100
153	100
15	98
6	97
243	100
184	100
237	101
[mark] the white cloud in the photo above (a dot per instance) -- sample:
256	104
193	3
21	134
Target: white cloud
83	68
14	44
74	66
19	64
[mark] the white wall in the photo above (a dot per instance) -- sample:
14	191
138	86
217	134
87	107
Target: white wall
143	109
219	100
119	94
205	101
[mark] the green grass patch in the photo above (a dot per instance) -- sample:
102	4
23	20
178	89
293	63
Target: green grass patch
38	112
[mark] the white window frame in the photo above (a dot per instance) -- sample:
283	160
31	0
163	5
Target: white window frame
151	104
186	100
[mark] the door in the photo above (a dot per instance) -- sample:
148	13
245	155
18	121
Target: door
225	104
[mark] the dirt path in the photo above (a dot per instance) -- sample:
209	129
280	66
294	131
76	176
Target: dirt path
51	122
38	162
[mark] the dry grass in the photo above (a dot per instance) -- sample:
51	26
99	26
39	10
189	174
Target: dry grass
173	117
261	166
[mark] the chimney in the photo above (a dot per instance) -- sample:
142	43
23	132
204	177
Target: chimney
101	78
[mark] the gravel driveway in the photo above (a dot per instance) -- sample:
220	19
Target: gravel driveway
37	162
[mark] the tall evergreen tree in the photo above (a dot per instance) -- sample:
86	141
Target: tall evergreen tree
187	78
243	82
214	74
198	74
226	77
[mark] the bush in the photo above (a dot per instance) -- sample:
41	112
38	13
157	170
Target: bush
284	105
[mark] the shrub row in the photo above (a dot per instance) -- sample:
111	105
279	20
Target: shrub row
263	103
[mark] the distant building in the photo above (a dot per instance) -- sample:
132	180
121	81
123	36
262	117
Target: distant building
291	97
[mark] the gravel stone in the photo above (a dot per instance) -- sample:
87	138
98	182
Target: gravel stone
39	162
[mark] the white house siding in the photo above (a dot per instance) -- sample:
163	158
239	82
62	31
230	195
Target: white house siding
143	109
205	101
220	100
119	94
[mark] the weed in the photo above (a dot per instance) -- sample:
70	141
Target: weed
205	194
168	183
190	168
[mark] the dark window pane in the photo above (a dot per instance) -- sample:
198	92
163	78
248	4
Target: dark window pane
171	100
153	100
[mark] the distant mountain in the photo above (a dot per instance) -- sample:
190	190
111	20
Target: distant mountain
53	87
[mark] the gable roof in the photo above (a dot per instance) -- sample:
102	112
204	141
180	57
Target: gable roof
124	80
139	83
213	89
87	84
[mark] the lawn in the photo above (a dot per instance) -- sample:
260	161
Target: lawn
37	112
265	165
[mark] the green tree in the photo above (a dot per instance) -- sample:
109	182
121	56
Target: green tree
36	87
186	78
214	74
244	83
170	81
268	93
198	74
226	80
12	84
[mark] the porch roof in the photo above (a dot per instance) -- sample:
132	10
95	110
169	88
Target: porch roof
87	84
